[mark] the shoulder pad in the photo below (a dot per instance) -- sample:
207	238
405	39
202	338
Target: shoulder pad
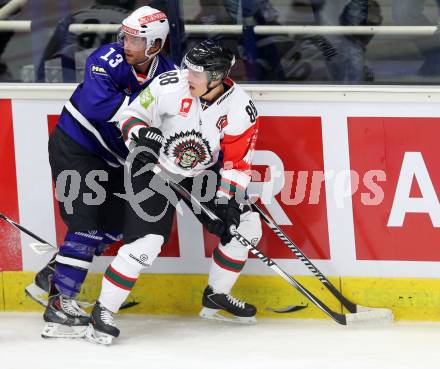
174	90
170	81
242	111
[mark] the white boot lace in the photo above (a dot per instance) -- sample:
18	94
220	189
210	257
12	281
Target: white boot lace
107	317
71	307
234	301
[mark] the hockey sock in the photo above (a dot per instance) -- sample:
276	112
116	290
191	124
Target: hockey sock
228	260
118	281
225	268
73	261
124	270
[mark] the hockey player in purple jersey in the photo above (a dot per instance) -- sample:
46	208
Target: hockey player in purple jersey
86	155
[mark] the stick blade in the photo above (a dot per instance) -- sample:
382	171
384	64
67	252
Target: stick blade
288	309
37	294
41	248
376	316
128	305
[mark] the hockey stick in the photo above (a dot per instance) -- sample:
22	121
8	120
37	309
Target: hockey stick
40	248
351	307
344	319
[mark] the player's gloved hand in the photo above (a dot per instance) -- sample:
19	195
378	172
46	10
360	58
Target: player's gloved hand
150	139
229	211
217	227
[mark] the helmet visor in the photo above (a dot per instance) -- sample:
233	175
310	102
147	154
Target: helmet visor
196	74
131	42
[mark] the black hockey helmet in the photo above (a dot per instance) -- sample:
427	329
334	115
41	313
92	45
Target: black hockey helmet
210	56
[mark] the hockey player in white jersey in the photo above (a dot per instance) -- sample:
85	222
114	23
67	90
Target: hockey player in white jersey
183	121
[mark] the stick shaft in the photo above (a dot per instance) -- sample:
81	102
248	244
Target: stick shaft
339	318
300	255
23	229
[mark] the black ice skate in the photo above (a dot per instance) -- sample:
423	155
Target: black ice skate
39	289
241	311
102	328
64	318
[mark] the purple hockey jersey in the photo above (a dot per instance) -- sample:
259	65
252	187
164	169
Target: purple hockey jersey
110	84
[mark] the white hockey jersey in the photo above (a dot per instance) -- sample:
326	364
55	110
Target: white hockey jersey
193	137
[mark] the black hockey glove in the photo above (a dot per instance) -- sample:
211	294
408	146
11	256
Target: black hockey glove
215	227
229	212
151	140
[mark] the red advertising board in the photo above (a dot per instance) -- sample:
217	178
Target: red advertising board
10	248
406	150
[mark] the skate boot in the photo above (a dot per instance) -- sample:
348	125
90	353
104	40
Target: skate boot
64	318
39	289
102	328
240	311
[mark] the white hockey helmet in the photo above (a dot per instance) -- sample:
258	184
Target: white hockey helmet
147	23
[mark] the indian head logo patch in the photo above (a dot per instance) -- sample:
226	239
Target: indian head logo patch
188	149
185	107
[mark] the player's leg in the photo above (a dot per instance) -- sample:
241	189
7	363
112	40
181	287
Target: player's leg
119	279
144	234
70	165
63	316
227	260
227	263
40	287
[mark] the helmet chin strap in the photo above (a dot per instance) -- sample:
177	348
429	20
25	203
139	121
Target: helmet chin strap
149	56
209	89
140	64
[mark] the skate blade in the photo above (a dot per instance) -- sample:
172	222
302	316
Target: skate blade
217	314
37	294
96	337
56	330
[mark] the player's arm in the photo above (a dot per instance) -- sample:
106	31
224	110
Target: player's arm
146	110
139	124
141	113
238	144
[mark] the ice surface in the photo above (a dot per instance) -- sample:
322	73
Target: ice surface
192	343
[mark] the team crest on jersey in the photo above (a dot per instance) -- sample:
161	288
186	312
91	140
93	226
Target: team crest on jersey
97	71
188	149
185	107
222	122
